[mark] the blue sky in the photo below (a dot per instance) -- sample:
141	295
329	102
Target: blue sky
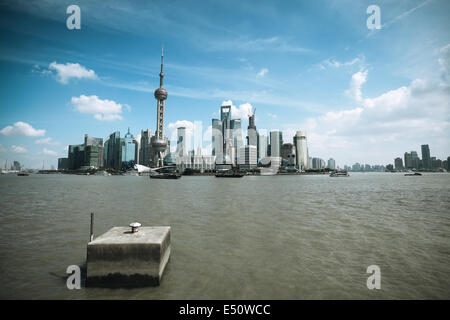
361	95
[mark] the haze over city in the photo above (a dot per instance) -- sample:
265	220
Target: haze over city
361	95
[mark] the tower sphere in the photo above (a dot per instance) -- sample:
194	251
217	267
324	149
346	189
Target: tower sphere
161	94
159	145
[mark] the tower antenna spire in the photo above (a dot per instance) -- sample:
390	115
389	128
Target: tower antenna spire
161	75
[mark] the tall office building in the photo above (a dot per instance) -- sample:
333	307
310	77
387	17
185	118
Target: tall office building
226	146
93	156
398	162
63	163
236	133
415	160
301	150
113	151
408	160
198	137
129	151
262	146
252	134
426	159
145	147
217	141
88	154
276	140
331	164
318	163
181	142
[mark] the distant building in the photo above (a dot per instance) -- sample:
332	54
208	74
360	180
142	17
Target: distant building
145	148
93	151
270	165
236	130
16	165
276	140
63	163
301	150
408	161
318	163
247	157
415	160
331	164
181	142
196	162
398	163
426	159
129	151
113	151
217	141
288	154
262	146
390	167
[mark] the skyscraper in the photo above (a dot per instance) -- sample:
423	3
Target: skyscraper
398	163
181	142
236	133
276	140
301	150
262	146
408	160
159	141
252	134
217	140
145	147
331	164
426	159
198	137
415	160
128	151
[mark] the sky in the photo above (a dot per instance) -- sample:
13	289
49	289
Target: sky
362	95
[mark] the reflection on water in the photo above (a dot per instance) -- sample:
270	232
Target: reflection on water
280	237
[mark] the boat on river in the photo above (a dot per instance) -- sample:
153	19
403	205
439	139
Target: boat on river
339	173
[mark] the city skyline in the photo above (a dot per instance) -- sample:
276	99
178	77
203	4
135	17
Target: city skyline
380	85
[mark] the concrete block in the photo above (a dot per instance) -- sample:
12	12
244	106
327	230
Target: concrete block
121	258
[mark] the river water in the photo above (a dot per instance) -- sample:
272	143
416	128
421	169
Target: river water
278	237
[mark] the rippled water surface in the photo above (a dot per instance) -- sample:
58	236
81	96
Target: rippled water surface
280	237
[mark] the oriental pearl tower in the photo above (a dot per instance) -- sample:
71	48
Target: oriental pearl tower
159	143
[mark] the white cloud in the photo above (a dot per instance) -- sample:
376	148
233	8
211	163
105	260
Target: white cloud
333	63
273	116
358	79
261	44
49	152
65	72
47	141
2	149
263	72
386	126
243	112
103	110
18	149
22	129
444	62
